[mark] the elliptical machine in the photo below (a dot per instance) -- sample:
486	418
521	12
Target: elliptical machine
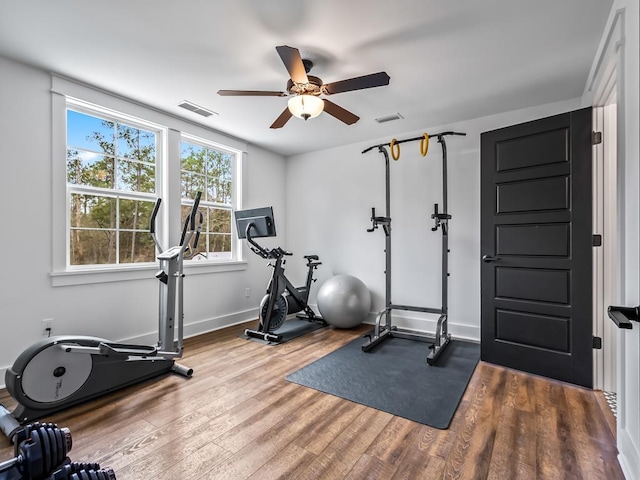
63	371
282	298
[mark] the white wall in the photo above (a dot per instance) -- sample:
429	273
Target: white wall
329	198
114	310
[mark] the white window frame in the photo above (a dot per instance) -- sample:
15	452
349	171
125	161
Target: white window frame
66	91
235	178
159	131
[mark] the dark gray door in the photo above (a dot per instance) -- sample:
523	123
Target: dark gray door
536	247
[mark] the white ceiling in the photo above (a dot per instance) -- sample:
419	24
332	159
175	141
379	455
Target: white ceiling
449	60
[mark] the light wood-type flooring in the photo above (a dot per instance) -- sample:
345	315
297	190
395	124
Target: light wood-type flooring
238	418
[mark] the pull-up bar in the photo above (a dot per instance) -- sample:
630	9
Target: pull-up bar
387	330
431	135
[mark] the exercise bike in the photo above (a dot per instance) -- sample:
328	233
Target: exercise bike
281	298
63	371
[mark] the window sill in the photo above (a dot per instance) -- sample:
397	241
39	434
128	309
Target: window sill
138	272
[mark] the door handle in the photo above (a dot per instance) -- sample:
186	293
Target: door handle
489	258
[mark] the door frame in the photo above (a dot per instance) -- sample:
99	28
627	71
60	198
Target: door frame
604	85
605	271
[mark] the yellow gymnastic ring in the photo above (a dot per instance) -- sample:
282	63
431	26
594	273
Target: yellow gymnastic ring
424	144
395	149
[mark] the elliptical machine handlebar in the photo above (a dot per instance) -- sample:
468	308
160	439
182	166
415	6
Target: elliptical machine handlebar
152	225
190	229
154	214
190	222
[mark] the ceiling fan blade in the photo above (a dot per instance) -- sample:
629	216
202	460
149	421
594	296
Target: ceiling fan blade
358	83
282	119
340	113
293	62
251	93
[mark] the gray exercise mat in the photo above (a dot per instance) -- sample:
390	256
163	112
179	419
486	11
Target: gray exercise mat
395	378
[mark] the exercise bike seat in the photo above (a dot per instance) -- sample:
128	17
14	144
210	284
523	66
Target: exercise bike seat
312	257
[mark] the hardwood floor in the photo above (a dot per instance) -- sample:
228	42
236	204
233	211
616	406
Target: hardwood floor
238	418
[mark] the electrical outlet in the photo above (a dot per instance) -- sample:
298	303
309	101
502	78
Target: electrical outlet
247	292
47	327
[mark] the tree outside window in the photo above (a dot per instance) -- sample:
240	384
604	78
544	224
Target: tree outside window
209	170
111	184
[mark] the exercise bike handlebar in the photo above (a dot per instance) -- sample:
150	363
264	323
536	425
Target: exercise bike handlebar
274	253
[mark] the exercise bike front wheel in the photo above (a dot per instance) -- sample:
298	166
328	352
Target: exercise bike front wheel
278	314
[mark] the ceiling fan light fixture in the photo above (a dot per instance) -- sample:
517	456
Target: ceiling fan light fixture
305	106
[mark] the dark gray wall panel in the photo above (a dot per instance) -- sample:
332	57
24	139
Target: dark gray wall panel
536	195
523	328
551	286
533	150
533	240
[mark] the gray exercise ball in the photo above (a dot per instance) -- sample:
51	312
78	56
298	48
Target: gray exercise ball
344	301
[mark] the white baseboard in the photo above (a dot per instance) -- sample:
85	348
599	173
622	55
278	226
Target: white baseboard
629	456
190	330
428	326
198	328
422	325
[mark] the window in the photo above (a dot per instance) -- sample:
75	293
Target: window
112	179
112	160
208	168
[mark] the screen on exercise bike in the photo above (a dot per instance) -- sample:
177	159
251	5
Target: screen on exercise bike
262	219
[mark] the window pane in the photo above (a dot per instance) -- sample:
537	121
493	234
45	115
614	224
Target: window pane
136	247
216	167
88	168
219	164
86	132
89	247
112	157
135	214
219	243
192	157
92	211
136	177
136	144
219	190
191	183
219	177
219	221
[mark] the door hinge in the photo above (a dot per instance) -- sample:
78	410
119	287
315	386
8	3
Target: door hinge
597	343
596	138
596	240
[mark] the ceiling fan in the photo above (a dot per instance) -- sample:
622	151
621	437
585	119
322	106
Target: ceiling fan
305	90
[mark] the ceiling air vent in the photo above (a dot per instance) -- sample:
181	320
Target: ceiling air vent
389	118
192	107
